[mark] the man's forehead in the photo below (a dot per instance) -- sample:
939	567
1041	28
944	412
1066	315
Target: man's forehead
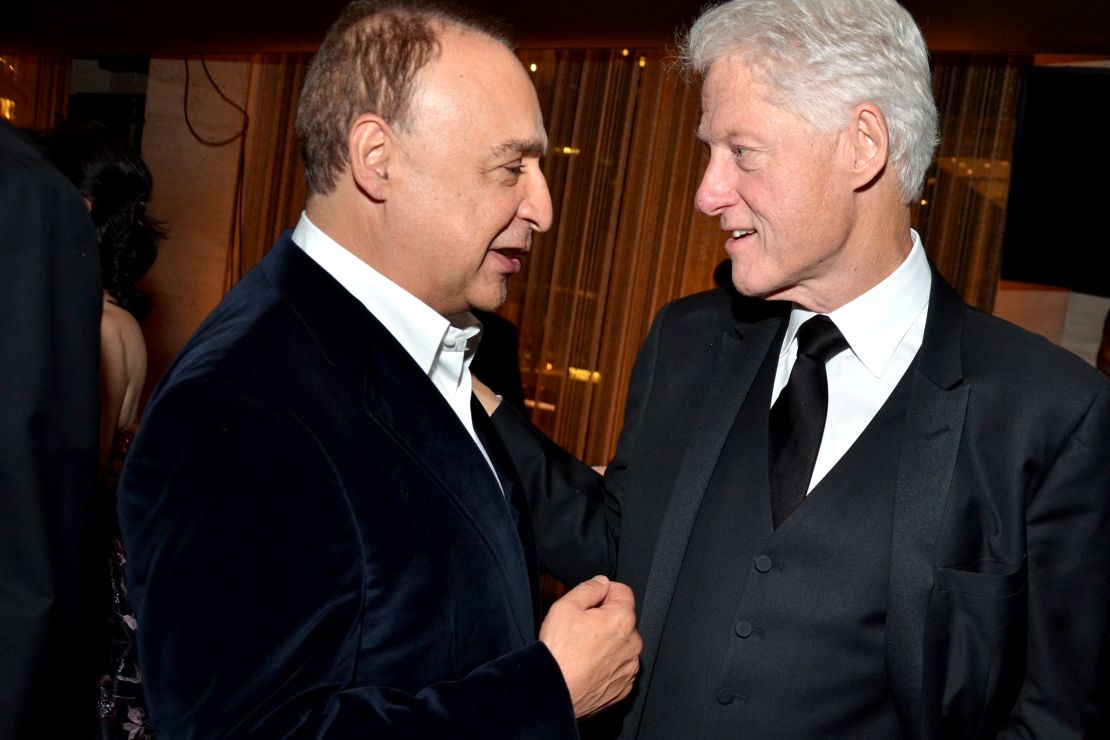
723	114
481	83
729	90
727	76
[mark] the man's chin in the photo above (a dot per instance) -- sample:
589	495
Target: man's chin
763	287
748	285
490	299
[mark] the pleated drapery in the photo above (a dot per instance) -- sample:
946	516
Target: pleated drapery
623	167
34	89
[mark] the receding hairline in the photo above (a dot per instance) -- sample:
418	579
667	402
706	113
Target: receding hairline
448	33
441	20
443	27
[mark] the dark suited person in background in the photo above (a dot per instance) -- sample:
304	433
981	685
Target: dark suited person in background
323	538
849	505
50	328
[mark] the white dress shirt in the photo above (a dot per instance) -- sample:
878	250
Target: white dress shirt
884	328
441	347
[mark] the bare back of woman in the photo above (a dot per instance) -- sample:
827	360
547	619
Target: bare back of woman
122	374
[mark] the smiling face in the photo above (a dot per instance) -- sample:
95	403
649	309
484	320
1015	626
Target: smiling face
783	191
466	190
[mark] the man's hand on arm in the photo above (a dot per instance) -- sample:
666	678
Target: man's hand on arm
591	632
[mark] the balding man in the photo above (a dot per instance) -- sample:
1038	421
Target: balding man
323	538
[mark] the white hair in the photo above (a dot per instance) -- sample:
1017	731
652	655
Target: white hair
821	58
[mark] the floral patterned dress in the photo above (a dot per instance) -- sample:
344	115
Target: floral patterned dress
120	705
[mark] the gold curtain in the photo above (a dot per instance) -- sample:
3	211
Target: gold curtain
623	169
271	182
626	239
962	214
34	89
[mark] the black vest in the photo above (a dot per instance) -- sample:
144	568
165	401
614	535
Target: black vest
779	633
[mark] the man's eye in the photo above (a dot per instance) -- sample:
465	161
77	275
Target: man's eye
738	151
516	170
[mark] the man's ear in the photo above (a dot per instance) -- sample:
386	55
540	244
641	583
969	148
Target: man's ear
369	149
868	143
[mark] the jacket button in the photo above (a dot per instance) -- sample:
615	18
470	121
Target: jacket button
743	628
726	695
763	563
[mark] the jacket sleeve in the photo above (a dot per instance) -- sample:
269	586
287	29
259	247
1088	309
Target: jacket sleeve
1066	691
248	573
576	512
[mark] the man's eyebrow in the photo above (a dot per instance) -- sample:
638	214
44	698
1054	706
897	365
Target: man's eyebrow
532	147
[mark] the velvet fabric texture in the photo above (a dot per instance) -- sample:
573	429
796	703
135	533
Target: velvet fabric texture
316	546
998	604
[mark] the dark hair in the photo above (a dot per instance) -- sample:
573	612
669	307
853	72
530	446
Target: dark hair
117	184
366	64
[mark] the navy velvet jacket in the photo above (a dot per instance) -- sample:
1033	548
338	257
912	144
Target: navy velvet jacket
316	546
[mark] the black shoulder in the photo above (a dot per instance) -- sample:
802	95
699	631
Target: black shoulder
726	307
994	345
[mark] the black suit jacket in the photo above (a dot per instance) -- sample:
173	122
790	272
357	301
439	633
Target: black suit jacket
52	565
998	616
316	546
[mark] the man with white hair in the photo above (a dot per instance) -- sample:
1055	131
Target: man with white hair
848	504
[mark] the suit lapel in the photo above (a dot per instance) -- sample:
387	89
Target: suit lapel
934	427
400	398
403	401
514	495
742	351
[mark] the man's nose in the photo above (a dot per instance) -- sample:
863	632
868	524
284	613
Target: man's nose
536	207
715	191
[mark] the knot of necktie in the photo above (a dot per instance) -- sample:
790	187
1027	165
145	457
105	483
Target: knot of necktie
820	340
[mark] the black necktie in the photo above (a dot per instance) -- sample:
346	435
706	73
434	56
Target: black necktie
798	416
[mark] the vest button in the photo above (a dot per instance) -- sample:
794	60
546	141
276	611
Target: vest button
763	563
743	628
726	695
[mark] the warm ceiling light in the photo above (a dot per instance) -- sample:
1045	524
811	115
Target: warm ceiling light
643	61
624	52
7	109
533	66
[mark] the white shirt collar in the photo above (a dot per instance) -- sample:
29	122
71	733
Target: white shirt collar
875	322
419	328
